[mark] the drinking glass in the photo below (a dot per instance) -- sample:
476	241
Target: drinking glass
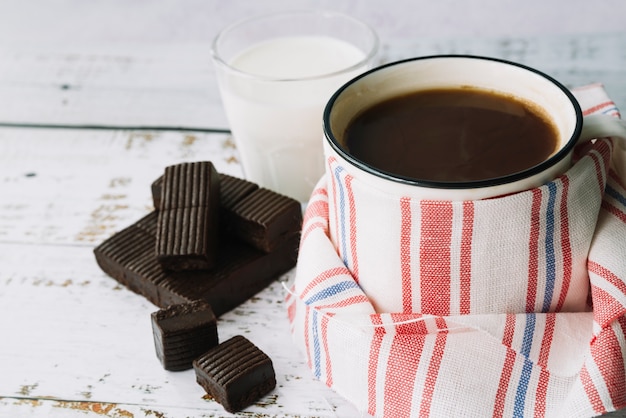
276	73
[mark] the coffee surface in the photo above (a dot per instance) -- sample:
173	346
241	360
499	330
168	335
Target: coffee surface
451	135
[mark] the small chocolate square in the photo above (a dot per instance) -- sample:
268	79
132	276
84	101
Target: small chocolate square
235	373
182	332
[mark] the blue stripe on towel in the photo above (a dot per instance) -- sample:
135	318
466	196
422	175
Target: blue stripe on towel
615	195
342	214
522	386
331	291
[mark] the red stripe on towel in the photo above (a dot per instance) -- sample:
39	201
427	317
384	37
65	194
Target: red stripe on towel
466	258
435	241
533	250
566	247
405	254
372	371
433	368
507	368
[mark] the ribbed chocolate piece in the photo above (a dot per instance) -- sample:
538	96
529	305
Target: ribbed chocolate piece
236	373
232	190
182	333
240	272
265	219
188	217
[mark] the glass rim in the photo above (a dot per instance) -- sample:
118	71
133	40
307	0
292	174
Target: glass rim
217	57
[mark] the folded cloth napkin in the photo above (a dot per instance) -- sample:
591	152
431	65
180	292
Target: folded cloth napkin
450	348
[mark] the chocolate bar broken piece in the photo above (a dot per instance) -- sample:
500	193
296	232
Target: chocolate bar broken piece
265	219
188	217
235	190
182	333
235	373
239	273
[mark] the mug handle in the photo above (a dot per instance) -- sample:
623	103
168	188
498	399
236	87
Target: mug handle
602	126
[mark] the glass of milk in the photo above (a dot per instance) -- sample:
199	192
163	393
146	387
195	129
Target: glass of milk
275	74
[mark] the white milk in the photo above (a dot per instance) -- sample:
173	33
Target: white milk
276	117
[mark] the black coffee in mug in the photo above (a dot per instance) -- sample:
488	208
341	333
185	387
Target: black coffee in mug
452	135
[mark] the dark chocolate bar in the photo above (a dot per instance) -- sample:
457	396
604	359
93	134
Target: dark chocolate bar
258	216
239	273
236	373
188	217
265	219
182	333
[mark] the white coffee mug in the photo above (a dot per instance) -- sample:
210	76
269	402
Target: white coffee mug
389	230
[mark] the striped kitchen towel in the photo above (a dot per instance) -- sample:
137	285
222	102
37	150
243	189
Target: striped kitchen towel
512	306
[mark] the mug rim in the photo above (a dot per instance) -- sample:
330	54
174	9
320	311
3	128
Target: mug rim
562	153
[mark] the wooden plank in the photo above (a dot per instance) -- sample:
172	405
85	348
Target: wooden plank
78	186
65	22
54	408
574	60
174	84
171	85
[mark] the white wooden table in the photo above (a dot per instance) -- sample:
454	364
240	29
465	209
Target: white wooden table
73	342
